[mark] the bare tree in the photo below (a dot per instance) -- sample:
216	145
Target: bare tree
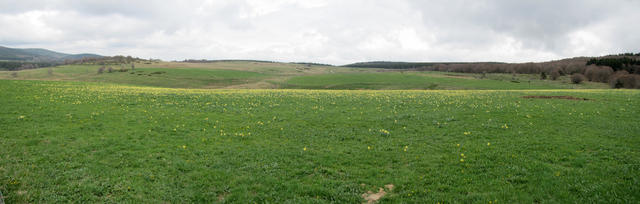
623	80
598	73
555	74
577	78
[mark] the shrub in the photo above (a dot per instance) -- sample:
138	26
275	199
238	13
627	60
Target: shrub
101	70
577	78
543	75
623	80
613	79
110	69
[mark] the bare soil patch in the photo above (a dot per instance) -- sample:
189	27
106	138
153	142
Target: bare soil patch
372	197
557	97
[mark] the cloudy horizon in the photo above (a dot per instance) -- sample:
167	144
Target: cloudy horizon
326	31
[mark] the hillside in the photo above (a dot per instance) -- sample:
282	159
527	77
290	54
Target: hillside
407	65
38	55
481	66
271	75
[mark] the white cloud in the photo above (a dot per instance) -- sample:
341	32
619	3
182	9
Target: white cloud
28	27
326	31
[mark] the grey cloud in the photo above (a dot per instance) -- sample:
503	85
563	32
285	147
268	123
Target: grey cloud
327	31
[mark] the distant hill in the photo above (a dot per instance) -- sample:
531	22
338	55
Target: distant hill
407	65
608	61
39	55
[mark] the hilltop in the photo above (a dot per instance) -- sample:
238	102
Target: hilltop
39	55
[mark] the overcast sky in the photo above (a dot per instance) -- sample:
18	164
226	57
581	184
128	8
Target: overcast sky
326	31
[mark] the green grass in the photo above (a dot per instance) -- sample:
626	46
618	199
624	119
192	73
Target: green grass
425	80
260	75
181	78
159	77
96	142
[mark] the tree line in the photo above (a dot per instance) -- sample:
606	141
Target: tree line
18	65
620	71
628	64
114	60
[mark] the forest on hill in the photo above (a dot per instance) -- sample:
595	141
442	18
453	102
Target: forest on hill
621	71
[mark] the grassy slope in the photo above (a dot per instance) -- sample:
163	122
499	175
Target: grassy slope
89	142
250	75
160	77
423	80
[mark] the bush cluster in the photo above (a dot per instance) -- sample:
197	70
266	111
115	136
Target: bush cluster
577	78
101	70
622	79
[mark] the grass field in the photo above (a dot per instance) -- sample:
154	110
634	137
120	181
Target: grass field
101	142
423	80
261	75
158	77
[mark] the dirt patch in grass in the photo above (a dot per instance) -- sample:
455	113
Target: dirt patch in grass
372	197
557	97
389	186
222	196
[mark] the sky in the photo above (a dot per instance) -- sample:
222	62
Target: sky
326	31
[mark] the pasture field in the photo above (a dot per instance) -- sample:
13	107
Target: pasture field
156	77
424	80
262	75
100	142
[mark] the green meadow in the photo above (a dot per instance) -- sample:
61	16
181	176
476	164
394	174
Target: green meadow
160	77
262	75
79	136
424	80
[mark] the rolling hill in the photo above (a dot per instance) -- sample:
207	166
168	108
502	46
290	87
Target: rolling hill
38	55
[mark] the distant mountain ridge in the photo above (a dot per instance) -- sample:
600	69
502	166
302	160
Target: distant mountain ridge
39	55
